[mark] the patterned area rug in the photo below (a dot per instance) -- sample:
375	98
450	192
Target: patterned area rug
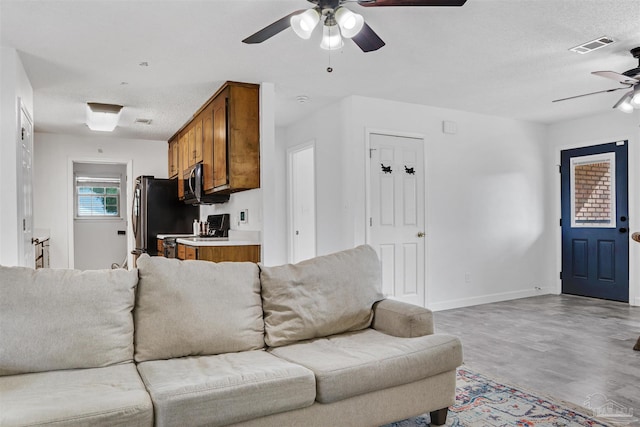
483	402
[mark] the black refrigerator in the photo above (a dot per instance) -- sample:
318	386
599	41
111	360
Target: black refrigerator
157	210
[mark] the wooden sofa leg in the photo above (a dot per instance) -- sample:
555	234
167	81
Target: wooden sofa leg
439	417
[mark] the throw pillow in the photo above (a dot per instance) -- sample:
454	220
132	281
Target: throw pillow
319	297
192	308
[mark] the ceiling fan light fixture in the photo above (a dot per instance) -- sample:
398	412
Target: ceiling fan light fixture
304	23
635	98
331	38
624	104
350	23
103	117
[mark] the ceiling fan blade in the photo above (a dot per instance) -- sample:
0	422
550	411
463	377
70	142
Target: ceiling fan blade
373	3
367	39
617	77
272	29
592	93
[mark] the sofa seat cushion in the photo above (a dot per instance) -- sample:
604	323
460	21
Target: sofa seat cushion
226	388
196	308
323	296
354	363
107	396
65	319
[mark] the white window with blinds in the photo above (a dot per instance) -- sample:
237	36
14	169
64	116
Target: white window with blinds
97	197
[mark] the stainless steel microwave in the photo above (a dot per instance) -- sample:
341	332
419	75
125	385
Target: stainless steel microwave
194	189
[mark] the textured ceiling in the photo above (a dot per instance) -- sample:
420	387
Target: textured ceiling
501	57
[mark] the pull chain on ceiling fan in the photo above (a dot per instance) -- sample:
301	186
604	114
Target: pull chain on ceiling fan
630	101
338	22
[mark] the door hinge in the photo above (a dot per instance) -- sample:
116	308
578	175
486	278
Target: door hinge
560	169
560	222
370	222
561	275
22	134
371	150
24	224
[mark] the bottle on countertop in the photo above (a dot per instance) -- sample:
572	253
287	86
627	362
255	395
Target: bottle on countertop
196	227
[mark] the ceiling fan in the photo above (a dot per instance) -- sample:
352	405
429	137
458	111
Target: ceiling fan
338	22
630	79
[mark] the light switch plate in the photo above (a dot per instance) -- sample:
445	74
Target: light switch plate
243	216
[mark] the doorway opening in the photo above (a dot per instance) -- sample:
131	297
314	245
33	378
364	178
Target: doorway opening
99	214
301	182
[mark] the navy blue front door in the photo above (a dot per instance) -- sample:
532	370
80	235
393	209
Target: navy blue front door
595	223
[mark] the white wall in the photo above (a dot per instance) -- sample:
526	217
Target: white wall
14	85
592	130
334	174
53	157
485	199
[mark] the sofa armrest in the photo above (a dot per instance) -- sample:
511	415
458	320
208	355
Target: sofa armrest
401	319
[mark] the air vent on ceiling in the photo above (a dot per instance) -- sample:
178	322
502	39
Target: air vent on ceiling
592	45
143	121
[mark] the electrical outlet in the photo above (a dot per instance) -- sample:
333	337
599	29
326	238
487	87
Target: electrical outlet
243	216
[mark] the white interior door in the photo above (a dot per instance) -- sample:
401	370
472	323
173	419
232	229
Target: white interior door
100	226
26	210
396	206
302	191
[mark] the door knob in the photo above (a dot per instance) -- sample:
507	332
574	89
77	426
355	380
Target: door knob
420	234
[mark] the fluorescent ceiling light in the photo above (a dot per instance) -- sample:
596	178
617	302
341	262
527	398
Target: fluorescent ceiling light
103	117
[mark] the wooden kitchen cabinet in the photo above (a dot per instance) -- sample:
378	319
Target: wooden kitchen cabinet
248	253
225	137
173	158
197	149
185	150
236	138
240	253
183	161
190	252
207	148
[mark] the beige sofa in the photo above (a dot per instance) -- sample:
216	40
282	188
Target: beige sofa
194	343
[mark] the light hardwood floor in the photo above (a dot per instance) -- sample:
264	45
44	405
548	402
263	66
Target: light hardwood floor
562	346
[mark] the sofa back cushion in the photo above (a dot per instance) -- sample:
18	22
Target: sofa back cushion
53	319
192	308
323	296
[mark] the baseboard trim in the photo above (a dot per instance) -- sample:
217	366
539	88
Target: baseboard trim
487	299
636	302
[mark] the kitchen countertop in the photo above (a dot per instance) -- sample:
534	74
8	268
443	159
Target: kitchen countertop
194	241
165	236
236	238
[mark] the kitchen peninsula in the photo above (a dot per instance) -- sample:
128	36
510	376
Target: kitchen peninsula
239	246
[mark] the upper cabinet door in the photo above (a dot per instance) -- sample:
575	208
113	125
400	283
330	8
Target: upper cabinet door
207	149
220	164
198	140
243	138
